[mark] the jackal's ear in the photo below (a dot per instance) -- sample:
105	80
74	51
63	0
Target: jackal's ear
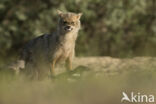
79	15
60	13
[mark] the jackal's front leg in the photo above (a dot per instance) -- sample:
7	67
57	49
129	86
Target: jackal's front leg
69	64
52	69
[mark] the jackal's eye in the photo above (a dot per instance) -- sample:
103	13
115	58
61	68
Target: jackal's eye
72	23
65	22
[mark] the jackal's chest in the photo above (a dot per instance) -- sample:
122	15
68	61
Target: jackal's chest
63	52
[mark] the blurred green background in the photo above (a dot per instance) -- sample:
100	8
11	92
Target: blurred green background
117	28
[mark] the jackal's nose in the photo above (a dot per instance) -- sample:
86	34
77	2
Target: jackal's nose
68	28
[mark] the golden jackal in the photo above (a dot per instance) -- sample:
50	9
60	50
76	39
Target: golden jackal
43	52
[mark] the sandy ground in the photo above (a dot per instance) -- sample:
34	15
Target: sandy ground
104	65
109	64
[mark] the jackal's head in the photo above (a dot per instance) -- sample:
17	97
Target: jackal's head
69	22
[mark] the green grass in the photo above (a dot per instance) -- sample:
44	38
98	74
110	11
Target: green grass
88	88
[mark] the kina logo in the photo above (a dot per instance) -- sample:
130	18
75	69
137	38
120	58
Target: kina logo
137	98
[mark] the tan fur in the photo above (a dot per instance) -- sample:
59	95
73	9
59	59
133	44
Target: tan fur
49	49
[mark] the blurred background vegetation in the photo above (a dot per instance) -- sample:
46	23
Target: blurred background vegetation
117	28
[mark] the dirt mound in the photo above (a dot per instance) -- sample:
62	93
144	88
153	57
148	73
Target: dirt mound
109	64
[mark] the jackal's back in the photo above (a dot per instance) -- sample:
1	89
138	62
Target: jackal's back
38	48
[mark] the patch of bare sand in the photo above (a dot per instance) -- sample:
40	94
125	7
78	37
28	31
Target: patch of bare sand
109	64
